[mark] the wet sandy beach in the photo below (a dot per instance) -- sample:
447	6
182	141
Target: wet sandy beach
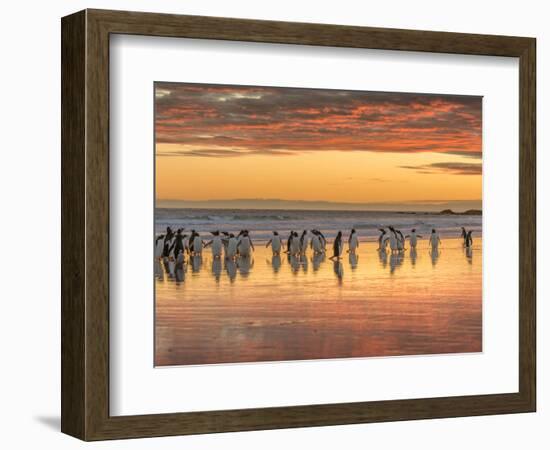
269	308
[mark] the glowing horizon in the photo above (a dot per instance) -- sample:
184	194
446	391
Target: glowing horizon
218	142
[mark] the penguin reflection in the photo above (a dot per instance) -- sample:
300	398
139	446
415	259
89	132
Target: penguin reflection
413	256
396	259
244	264
469	254
338	268
316	260
434	253
196	263
216	268
383	257
276	263
231	269
304	263
179	268
353	259
159	274
166	265
294	263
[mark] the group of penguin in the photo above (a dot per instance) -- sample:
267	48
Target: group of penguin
241	245
193	244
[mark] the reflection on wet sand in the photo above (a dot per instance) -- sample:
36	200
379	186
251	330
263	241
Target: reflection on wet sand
383	257
434	253
338	268
353	259
231	269
413	255
217	268
469	252
276	263
366	304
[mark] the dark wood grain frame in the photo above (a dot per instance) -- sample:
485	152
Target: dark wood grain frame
85	224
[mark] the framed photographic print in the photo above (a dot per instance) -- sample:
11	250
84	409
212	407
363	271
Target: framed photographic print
270	224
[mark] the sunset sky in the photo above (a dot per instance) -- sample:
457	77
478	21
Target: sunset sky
216	142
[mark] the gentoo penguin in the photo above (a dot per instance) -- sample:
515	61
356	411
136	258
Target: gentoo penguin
337	246
353	242
289	241
231	249
245	245
197	244
316	243
323	239
400	240
381	238
186	243
217	245
159	247
295	244
192	241
177	245
393	240
464	235
413	238
166	243
303	242
468	240
434	240
275	242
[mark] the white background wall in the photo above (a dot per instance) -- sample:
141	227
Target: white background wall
30	220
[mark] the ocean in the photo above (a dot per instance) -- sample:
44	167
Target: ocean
261	223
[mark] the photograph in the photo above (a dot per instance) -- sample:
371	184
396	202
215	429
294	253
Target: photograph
296	223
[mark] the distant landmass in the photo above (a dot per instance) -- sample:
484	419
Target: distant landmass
469	212
433	206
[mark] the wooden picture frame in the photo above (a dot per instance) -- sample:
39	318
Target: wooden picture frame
85	224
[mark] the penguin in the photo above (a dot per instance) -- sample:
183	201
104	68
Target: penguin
159	247
177	245
468	240
275	242
381	238
413	238
316	244
289	241
217	244
393	240
323	239
464	235
304	240
400	240
245	245
337	246
353	242
166	247
186	243
197	244
231	249
192	242
295	244
434	240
